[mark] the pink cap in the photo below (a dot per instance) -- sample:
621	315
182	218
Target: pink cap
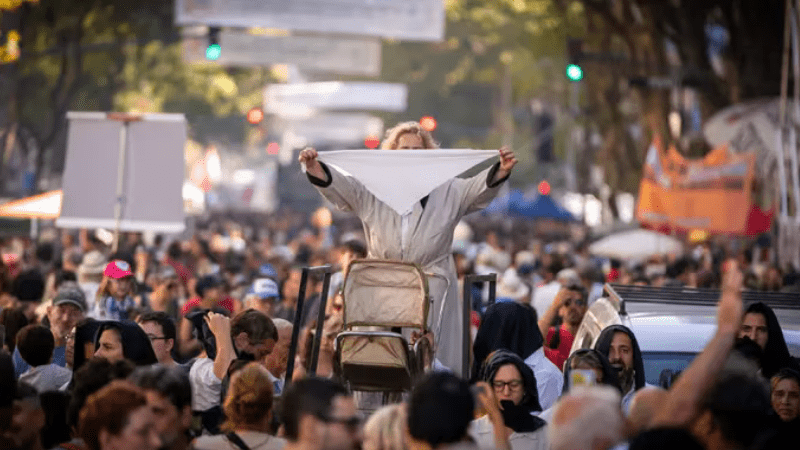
118	269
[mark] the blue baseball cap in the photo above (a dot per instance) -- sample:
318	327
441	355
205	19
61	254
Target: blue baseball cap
264	288
266	270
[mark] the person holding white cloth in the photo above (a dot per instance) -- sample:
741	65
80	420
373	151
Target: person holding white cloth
424	234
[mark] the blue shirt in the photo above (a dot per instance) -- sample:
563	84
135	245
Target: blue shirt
20	366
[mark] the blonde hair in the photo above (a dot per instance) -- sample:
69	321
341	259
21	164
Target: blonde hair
385	430
393	135
249	398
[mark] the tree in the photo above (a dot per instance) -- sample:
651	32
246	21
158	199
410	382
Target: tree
105	55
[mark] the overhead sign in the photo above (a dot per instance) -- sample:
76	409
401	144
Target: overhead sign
337	128
343	55
327	129
417	20
301	99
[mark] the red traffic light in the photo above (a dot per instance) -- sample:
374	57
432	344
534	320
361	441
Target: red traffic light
372	142
255	116
427	123
544	187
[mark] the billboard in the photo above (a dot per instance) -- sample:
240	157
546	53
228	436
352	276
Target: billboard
142	159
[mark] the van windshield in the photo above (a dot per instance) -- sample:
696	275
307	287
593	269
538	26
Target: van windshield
657	362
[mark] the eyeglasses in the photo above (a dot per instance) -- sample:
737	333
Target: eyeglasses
352	422
577	302
513	385
156	338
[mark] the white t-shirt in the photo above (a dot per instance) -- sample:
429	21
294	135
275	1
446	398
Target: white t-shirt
549	380
206	387
482	431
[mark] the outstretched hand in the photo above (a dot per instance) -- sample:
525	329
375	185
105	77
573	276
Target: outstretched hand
507	160
308	159
730	309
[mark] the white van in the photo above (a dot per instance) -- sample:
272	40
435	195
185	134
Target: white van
673	324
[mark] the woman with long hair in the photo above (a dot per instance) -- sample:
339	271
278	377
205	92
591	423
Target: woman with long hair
248	409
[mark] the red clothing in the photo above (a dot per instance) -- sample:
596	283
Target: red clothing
183	273
559	355
226	303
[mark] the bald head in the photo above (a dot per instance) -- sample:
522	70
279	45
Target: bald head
644	406
587	418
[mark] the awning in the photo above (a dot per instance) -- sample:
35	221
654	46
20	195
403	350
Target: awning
41	206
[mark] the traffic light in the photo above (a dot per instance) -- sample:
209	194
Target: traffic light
372	142
427	123
574	70
255	116
213	51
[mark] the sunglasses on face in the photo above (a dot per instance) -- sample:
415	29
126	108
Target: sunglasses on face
352	423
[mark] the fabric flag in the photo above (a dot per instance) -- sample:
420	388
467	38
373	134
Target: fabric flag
400	178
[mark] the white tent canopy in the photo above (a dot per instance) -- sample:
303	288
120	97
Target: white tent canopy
635	245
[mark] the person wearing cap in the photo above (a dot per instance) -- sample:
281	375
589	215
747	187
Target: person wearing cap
68	308
115	296
90	273
262	295
210	291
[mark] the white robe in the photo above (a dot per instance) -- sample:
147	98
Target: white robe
428	240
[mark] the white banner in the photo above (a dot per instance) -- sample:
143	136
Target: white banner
416	20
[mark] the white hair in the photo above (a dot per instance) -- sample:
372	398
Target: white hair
598	419
282	324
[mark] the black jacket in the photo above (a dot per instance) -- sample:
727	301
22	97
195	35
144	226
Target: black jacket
506	325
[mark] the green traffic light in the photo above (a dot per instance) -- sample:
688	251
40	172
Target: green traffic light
213	51
574	72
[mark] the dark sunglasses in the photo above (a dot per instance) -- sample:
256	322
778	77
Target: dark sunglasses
352	422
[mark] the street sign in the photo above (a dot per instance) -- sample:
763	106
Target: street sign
337	128
416	20
301	99
342	55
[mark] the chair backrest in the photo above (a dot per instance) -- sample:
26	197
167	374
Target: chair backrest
386	294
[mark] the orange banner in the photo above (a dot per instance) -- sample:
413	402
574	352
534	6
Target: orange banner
712	193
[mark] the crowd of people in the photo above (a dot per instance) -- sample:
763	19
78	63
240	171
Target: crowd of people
191	352
185	343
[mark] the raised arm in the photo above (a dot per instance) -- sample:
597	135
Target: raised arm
220	326
684	398
550	315
479	190
343	191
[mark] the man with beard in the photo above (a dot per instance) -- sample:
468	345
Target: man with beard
570	304
619	345
169	396
761	326
320	414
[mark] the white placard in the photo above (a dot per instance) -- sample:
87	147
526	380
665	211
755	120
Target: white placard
421	20
342	55
288	99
